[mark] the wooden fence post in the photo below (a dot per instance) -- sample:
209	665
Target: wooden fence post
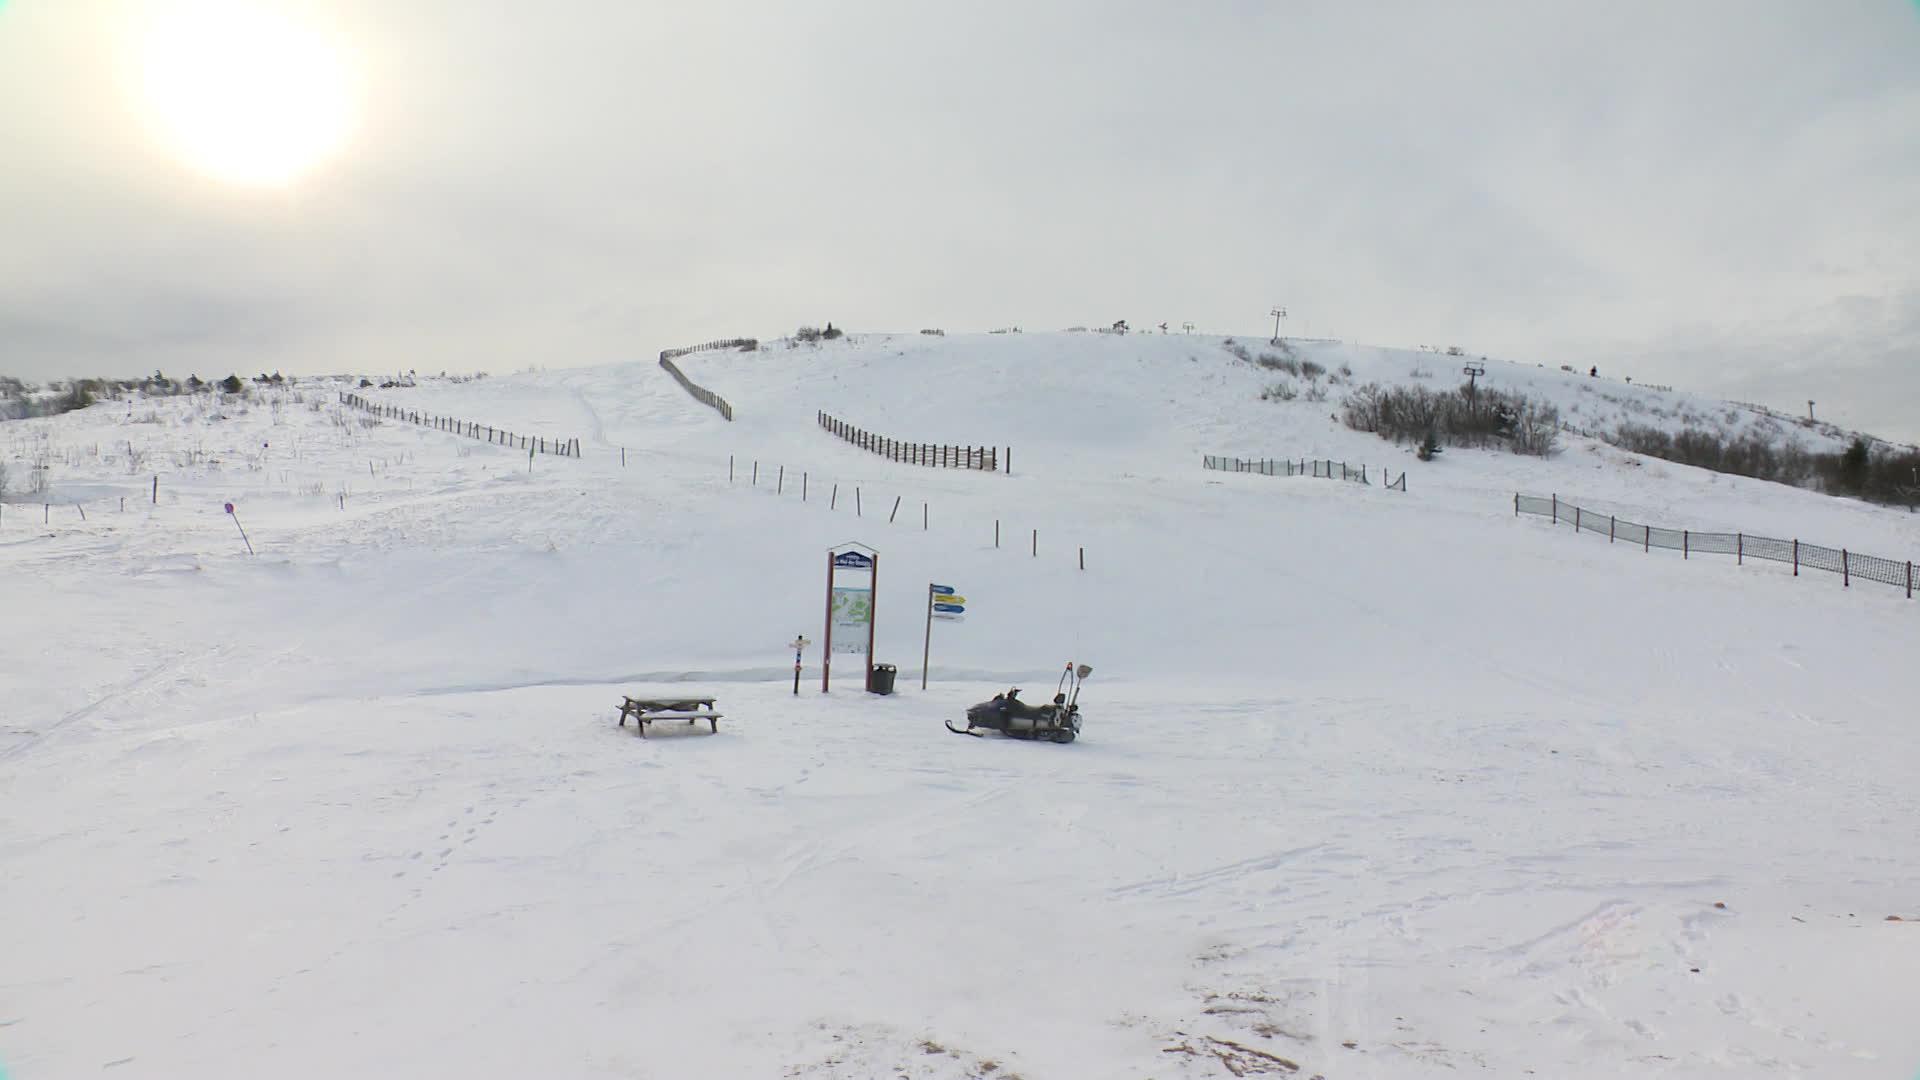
856	500
923	517
1576	519
156	489
1796	558
1686	544
1613	526
729	468
1740	549
803	486
1036	543
780	485
755	481
896	510
1083	558
1846	577
1556	509
833	501
1909	580
996	533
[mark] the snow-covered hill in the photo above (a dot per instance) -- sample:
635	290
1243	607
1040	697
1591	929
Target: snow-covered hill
1380	784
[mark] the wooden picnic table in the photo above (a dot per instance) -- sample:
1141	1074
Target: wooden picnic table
644	711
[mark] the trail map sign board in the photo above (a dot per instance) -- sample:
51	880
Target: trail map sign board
850	605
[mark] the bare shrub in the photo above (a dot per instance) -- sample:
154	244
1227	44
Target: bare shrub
1414	414
1536	429
1363	407
1316	392
1278	362
1312	370
807	333
1239	352
1279	392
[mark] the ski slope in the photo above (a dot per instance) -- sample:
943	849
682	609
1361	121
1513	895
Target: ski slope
1373	784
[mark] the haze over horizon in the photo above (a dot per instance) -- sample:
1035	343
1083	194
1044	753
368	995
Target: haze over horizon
1719	196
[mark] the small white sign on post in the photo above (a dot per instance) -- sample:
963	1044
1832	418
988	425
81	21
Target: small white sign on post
799	646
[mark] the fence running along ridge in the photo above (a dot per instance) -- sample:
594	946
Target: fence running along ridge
701	393
1323	469
982	458
497	436
1742	546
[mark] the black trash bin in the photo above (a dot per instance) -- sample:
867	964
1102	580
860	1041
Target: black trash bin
881	681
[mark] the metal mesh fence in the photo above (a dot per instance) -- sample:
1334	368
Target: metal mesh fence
1321	469
1742	546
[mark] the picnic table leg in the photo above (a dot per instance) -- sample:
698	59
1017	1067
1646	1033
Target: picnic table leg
714	723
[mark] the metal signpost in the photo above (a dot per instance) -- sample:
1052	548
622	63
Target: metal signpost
942	603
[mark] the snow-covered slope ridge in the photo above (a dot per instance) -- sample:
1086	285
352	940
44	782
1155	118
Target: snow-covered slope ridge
1374	784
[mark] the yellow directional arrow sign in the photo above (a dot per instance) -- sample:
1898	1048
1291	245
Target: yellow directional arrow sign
948	598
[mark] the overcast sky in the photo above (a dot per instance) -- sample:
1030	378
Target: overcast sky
1724	196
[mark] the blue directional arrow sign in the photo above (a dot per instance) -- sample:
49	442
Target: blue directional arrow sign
951	609
940	588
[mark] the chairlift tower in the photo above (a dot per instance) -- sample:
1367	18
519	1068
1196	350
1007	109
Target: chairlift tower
1473	373
1278	314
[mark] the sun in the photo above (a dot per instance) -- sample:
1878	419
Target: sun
242	93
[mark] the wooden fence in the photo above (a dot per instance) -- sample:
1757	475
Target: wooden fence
538	444
982	458
1742	546
701	393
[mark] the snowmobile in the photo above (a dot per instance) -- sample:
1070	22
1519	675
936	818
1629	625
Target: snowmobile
1058	721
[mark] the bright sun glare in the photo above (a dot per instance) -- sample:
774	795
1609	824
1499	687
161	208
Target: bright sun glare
243	94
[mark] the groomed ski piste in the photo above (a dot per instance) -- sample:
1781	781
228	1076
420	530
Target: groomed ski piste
1372	784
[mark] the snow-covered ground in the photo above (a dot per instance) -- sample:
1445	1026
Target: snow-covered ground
1380	785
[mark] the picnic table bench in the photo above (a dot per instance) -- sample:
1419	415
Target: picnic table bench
644	711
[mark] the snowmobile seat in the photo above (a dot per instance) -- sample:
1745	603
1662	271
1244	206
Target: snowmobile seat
1016	707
